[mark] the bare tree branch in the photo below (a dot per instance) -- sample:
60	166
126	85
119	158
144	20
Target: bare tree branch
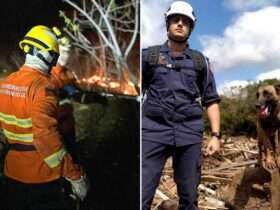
107	31
135	30
92	22
109	27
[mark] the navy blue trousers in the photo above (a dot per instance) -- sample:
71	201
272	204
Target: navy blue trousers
186	166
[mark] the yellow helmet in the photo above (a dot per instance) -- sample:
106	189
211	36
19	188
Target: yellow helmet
40	37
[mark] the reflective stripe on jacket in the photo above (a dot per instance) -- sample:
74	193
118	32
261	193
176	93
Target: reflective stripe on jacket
28	117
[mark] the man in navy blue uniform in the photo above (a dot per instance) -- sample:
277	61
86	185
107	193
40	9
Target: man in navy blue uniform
177	82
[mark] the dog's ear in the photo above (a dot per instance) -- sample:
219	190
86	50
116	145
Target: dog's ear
277	88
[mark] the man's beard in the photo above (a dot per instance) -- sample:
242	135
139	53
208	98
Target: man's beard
178	39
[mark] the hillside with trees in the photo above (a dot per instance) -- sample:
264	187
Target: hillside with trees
238	112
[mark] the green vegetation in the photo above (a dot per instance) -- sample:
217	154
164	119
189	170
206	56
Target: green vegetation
238	112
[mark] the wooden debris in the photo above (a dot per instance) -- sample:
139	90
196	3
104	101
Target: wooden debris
162	195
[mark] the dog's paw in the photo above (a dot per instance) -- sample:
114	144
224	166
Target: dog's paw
270	163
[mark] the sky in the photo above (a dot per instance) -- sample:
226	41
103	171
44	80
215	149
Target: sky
240	37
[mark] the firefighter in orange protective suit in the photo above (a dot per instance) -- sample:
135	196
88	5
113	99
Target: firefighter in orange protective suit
37	160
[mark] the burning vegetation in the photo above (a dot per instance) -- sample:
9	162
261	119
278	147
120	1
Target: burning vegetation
106	37
101	83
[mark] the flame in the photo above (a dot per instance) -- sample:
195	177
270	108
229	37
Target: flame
114	85
111	85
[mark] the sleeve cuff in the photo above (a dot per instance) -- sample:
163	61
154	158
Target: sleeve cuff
211	101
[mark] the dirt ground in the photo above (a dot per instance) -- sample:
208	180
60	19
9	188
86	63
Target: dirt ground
217	173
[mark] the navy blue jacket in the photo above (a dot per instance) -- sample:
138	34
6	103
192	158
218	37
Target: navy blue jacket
176	91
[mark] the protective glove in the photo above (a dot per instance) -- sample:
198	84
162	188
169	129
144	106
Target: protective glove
80	187
64	54
64	47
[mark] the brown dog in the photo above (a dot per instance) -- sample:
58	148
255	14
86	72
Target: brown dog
268	125
237	194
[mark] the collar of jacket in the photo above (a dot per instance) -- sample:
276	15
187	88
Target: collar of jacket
165	49
38	71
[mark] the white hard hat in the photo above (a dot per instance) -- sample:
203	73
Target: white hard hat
181	8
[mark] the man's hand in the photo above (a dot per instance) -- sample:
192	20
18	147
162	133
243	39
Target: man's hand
213	146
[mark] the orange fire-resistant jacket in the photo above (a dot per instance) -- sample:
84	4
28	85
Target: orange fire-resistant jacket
28	118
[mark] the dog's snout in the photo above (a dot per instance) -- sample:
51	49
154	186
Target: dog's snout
258	105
